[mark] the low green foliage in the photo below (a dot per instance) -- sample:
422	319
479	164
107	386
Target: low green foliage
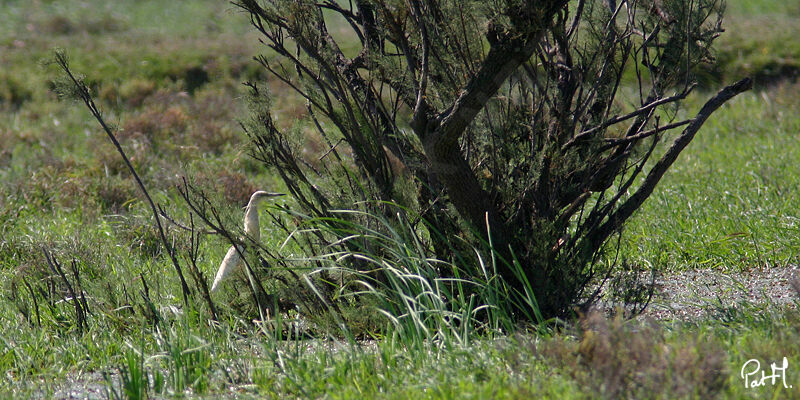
729	203
760	41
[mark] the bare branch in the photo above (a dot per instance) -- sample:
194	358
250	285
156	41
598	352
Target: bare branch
625	211
86	97
639	136
503	59
617	119
421	105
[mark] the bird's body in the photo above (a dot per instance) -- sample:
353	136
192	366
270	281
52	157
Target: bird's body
233	258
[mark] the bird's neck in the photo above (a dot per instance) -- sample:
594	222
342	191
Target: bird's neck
251	226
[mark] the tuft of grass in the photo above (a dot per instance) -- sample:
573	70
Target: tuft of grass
625	359
380	255
13	93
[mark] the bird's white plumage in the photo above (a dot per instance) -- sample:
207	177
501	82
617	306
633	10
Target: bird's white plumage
233	258
231	261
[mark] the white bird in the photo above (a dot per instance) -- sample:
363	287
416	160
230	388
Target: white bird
233	260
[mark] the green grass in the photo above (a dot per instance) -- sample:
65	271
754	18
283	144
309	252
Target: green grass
760	41
730	203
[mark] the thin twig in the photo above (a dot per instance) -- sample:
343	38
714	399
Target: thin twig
618	218
180	225
617	119
199	278
645	134
86	97
80	314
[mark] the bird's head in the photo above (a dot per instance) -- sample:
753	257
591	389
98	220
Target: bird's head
260	195
251	212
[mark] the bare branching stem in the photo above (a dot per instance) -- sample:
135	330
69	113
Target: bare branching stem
618	217
83	93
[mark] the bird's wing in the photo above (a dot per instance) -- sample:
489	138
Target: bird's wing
229	264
